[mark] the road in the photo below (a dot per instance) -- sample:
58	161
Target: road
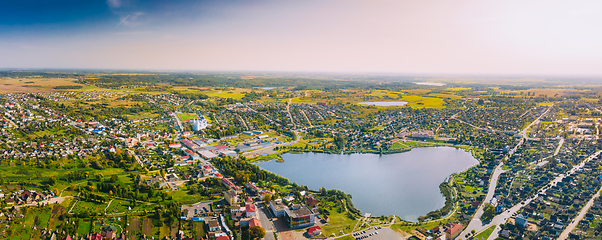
501	218
243	121
265	222
56	200
288	110
559	147
175	116
579	217
307	119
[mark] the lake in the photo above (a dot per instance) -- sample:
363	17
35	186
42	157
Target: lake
385	104
402	184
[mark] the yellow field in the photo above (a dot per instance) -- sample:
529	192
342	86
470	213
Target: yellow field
423	102
456	89
229	94
589	100
445	95
417	91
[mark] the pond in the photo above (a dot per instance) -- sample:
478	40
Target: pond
385	104
402	184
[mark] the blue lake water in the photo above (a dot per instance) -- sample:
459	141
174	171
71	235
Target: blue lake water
402	184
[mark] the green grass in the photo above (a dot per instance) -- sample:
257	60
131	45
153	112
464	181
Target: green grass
183	197
199	228
39	175
485	234
423	102
338	221
398	145
84	227
83	206
185	117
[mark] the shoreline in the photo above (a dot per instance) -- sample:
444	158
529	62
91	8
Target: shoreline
448	195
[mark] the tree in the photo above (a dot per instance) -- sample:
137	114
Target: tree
256	232
267	198
488	212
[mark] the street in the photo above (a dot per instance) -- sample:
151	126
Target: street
265	221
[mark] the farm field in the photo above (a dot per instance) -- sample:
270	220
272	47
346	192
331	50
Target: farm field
19	85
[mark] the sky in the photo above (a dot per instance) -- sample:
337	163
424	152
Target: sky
510	37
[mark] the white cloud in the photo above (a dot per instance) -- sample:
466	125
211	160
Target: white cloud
131	20
114	3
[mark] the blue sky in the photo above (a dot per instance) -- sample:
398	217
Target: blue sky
511	37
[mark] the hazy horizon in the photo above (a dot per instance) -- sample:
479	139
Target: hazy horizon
509	38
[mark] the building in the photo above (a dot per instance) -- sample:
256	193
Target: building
189	144
250	210
227	183
453	232
314	231
520	220
213	226
299	216
199	124
231	197
254	222
252	186
423	135
277	208
207	154
172	177
311	201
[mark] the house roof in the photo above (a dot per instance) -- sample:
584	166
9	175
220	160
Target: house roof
250	208
254	222
313	229
454	229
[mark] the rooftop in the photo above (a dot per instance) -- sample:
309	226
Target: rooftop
298	212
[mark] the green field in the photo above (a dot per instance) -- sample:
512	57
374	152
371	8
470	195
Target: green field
225	94
485	234
85	206
423	102
185	117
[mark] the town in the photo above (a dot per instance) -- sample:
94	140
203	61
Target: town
103	156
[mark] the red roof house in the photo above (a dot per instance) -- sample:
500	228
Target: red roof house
314	231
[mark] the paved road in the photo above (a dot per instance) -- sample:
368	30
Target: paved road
265	222
559	147
175	116
306	118
579	217
288	110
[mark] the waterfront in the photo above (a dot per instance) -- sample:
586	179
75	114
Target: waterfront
403	184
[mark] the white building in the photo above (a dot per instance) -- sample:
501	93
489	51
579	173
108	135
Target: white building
199	124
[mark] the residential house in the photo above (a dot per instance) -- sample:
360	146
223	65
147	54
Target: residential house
250	210
314	231
454	231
